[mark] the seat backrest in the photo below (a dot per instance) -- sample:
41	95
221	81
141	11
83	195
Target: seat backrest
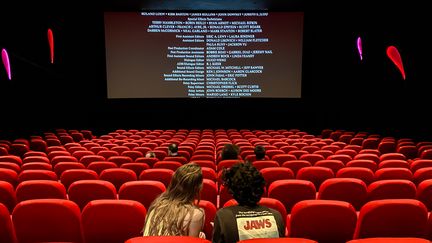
133	190
424	193
40	189
364	174
210	213
290	192
7	195
72	175
118	176
393	173
26	175
392	218
315	174
391	189
112	221
322	221
162	175
83	191
349	190
272	174
47	220
7	231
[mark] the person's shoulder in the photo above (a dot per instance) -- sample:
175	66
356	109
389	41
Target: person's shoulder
197	214
272	210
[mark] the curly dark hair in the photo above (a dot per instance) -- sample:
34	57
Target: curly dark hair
245	183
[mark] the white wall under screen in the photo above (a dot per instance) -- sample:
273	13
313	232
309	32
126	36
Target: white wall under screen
204	54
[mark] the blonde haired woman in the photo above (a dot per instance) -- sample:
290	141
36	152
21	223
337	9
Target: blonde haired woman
175	212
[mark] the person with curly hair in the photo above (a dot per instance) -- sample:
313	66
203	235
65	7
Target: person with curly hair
246	220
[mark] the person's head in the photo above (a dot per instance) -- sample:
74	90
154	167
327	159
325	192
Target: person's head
150	154
186	183
230	151
172	149
260	152
173	205
245	183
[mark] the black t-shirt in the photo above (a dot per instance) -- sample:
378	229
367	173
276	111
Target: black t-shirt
236	223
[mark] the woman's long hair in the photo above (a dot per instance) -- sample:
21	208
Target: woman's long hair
170	209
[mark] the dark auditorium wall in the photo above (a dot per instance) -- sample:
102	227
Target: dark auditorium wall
338	92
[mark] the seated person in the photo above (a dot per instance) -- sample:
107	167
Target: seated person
173	150
150	154
260	153
246	220
175	212
230	151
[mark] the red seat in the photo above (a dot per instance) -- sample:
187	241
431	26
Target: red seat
281	158
112	221
172	165
422	174
205	163
393	173
420	163
133	190
136	167
364	174
388	156
26	175
83	191
363	163
393	163
63	166
30	159
210	213
119	160
98	167
162	175
108	153
7	196
40	189
392	218
62	158
344	158
373	157
209	191
181	160
7	231
333	164
388	189
47	220
72	175
276	173
11	166
315	174
149	161
87	159
312	158
118	176
11	158
261	164
322	221
410	151
349	190
424	193
296	165
9	175
290	192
